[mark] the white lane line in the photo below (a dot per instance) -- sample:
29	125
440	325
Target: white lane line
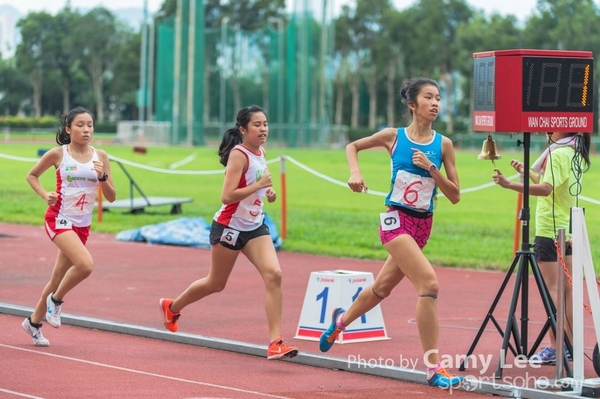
23	395
109	366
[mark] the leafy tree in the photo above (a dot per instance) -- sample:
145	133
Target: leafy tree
98	37
15	87
248	15
34	51
63	54
124	83
342	51
368	28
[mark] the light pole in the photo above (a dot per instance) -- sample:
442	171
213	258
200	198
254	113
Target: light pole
224	23
151	61
279	22
190	73
177	73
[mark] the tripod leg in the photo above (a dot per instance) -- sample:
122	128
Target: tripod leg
490	314
511	327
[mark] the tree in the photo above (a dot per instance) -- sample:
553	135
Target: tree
97	37
125	76
63	54
33	53
343	49
248	15
15	87
367	29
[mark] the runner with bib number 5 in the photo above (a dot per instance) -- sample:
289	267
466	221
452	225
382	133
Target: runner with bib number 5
239	226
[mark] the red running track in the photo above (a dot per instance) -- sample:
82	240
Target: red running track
128	280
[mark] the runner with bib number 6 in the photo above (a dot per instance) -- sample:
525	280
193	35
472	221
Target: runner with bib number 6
418	153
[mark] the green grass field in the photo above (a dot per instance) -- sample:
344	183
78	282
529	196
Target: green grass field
323	217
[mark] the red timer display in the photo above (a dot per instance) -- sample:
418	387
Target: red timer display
533	91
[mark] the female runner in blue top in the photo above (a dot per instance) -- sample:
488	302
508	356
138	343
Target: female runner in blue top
417	155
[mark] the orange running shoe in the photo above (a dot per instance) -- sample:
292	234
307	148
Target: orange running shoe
169	316
279	349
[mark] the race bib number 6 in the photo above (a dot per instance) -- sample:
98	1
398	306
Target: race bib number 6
389	220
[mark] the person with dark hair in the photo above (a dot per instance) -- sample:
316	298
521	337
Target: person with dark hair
80	169
556	178
417	155
239	226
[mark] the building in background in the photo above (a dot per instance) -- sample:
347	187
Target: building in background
9	34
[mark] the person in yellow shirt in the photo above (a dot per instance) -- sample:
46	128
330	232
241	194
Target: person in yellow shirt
555	177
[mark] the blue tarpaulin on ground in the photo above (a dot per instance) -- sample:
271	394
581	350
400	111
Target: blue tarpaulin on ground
185	231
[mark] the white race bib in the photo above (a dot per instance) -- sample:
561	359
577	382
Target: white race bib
251	209
230	236
62	223
412	191
389	220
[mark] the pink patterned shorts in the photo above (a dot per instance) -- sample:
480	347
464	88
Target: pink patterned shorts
415	224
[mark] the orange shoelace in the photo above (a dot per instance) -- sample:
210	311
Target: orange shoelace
442	371
334	334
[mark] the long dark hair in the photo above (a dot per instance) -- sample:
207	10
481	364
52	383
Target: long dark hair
583	147
233	136
410	90
62	137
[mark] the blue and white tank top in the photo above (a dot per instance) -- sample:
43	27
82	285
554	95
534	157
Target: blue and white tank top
411	186
246	215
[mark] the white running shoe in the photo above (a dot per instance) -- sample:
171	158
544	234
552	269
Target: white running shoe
36	333
52	312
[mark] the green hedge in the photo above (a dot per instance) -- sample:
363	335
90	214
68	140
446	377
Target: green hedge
48	122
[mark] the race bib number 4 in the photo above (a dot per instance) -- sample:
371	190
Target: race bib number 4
79	201
62	223
230	236
389	220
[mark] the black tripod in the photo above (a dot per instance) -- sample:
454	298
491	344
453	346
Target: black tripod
524	258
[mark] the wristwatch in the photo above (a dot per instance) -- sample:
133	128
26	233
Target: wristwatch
104	177
432	168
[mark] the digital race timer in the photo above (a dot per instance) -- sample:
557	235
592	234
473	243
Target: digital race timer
533	91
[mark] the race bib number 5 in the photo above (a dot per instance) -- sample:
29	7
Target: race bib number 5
230	236
389	220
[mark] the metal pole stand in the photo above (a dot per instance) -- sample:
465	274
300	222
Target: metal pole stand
525	259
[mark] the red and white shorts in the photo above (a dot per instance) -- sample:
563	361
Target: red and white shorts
50	226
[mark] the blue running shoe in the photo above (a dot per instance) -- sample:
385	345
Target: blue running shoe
443	379
330	335
545	356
